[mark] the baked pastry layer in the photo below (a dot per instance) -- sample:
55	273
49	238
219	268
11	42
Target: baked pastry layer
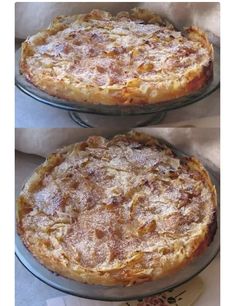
130	58
117	212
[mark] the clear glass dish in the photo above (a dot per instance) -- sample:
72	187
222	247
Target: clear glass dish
117	110
119	293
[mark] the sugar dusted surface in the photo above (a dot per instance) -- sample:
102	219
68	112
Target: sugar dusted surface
115	206
130	58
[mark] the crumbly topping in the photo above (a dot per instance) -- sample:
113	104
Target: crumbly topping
98	48
104	204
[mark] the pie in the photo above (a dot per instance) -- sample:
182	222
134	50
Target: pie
117	212
132	58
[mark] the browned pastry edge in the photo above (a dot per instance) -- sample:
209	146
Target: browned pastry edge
125	95
113	278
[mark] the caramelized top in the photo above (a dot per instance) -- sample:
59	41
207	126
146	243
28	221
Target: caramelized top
104	50
106	204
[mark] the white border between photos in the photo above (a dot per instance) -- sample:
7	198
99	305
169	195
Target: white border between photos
7	151
227	152
7	176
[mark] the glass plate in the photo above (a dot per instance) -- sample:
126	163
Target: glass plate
116	110
119	293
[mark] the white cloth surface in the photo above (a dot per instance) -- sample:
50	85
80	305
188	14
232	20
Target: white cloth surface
186	295
33	114
205	15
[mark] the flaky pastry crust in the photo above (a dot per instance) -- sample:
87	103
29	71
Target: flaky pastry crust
132	58
117	212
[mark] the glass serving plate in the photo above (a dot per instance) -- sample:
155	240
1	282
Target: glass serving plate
119	293
144	114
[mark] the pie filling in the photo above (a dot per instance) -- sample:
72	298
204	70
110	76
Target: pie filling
117	212
130	58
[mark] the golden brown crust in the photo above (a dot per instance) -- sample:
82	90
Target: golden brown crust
136	58
117	212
